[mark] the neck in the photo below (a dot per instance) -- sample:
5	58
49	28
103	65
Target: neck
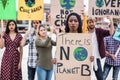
43	37
12	32
91	30
73	32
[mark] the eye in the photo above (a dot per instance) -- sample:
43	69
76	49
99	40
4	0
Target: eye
75	20
11	24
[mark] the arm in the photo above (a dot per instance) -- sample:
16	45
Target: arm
2	41
42	43
21	53
25	40
53	43
110	55
111	26
106	52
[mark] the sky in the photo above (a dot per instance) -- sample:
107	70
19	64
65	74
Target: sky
46	1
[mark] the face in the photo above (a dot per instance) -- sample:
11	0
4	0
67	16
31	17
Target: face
42	32
35	24
90	24
73	23
12	26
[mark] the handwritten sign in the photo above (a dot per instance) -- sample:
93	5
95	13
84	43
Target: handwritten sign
60	9
73	56
30	10
99	8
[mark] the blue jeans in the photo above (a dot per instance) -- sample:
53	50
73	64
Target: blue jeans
31	73
99	73
107	68
43	74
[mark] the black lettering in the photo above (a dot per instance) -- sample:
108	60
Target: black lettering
62	12
63	22
59	65
57	16
66	12
118	4
85	68
66	54
107	2
57	23
92	11
113	3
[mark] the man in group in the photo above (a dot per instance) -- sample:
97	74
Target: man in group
29	38
98	48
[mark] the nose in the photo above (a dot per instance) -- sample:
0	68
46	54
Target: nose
73	22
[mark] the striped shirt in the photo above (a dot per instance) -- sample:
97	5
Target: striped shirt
111	46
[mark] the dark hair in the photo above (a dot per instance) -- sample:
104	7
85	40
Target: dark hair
79	20
7	27
35	20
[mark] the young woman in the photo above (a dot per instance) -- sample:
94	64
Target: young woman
73	23
12	57
44	45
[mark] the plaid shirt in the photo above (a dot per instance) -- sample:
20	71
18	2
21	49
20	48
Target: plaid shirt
32	56
111	46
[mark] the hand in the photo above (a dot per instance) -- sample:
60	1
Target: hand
91	58
27	33
110	19
54	60
57	30
113	57
62	28
52	29
19	66
1	34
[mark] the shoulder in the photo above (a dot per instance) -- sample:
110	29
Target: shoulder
38	40
100	29
19	35
108	37
102	32
5	35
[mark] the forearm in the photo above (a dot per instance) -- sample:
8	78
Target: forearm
1	42
107	53
111	28
21	53
24	41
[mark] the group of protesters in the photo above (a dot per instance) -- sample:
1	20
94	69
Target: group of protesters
40	48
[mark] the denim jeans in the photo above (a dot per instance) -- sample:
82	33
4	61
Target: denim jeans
99	73
31	73
43	74
107	68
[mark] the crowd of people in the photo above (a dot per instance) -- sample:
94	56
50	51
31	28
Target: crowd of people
40	59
